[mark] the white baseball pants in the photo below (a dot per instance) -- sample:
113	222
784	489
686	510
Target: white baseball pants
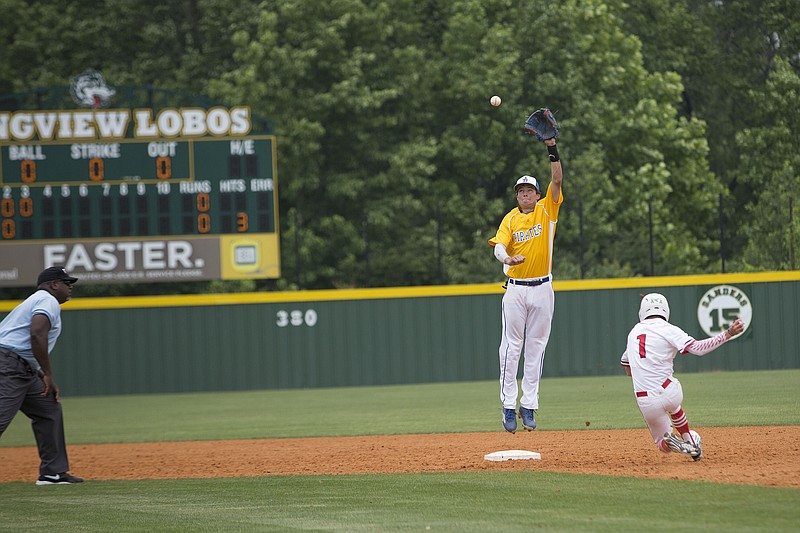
527	315
657	407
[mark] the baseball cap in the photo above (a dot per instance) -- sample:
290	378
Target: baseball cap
54	273
527	180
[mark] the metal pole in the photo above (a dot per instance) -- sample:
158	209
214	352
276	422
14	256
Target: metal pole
296	248
721	233
791	233
366	252
580	237
439	244
650	222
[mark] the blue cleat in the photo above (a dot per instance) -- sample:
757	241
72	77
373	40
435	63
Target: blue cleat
528	421
510	420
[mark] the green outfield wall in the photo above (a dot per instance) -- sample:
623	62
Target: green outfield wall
399	335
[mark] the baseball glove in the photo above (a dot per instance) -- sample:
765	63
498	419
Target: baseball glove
542	124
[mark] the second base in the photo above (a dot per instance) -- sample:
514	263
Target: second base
510	455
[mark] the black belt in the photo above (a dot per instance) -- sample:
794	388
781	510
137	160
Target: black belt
22	360
529	283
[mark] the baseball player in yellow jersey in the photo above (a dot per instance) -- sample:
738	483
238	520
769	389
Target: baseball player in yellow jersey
524	244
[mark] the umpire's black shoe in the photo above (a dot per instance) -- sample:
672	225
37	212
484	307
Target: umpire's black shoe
58	479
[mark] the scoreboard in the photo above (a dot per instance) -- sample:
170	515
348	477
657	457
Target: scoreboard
134	188
127	210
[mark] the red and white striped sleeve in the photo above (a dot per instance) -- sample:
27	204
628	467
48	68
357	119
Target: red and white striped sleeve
705	346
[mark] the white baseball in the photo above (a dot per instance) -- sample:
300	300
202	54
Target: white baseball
495	101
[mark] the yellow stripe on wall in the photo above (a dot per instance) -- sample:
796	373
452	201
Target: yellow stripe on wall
677	281
190	300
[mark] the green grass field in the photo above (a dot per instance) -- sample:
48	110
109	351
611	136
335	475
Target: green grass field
484	501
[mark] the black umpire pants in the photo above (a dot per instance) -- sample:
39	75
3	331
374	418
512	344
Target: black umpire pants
20	390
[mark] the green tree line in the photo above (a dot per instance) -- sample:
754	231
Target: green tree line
680	123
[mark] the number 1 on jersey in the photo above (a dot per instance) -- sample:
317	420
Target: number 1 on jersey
642	337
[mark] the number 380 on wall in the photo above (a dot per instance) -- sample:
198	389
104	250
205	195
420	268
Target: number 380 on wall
296	318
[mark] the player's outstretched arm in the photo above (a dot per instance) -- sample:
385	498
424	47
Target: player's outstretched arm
712	343
556	172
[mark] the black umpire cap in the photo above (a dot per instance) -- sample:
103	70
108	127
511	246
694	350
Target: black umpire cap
55	273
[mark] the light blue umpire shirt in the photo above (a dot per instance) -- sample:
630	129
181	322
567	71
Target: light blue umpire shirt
15	329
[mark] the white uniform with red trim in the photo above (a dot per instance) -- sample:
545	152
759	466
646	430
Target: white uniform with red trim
652	346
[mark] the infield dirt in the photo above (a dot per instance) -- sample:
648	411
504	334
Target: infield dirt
757	455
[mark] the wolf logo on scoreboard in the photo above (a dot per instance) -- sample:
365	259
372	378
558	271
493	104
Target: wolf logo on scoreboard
89	89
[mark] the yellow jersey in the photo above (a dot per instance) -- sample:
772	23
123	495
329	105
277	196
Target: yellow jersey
532	236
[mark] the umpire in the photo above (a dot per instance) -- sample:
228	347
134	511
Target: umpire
27	336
